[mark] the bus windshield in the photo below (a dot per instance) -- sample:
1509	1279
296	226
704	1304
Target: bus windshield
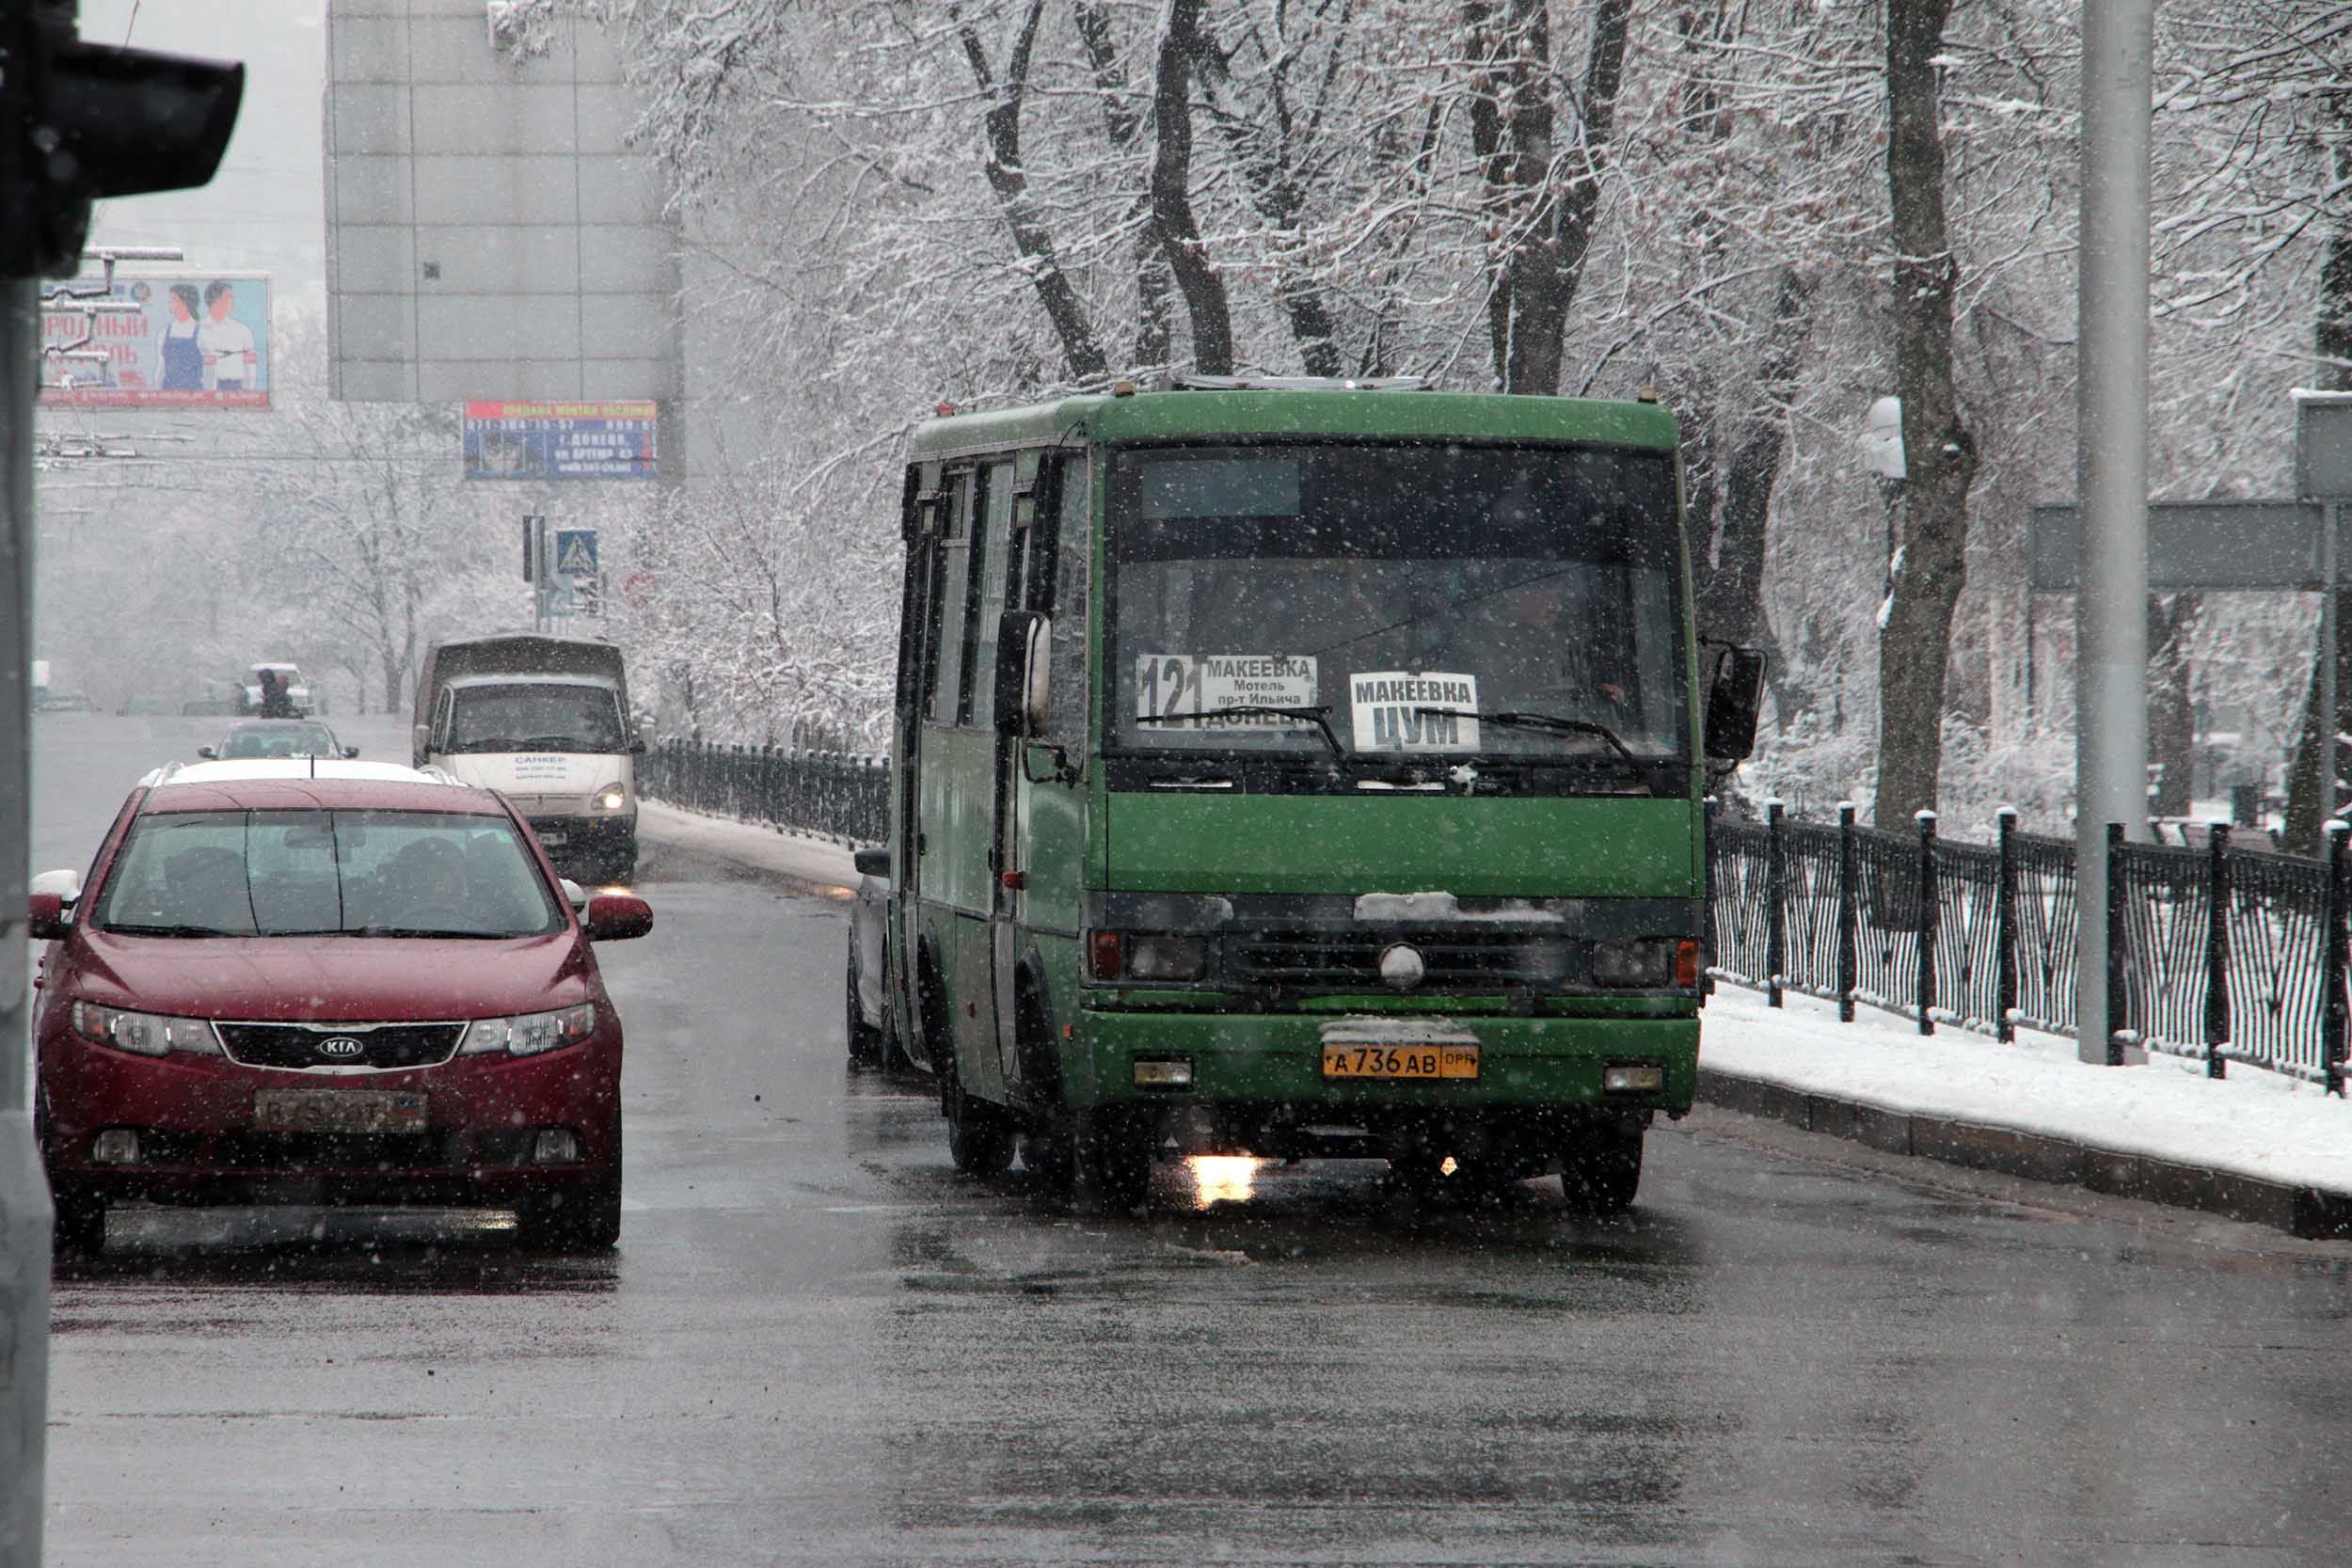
1425	600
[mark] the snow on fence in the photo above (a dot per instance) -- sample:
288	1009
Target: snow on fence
838	794
2217	952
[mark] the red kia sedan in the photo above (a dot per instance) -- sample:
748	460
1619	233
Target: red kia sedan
328	982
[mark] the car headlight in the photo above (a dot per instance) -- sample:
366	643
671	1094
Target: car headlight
612	796
1650	961
145	1034
531	1033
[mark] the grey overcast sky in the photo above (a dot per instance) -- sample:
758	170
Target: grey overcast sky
264	212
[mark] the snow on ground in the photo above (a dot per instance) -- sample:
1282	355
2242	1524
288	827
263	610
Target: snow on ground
2257	1123
821	861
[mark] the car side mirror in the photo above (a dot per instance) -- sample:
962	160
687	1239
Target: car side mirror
54	894
637	747
1023	672
617	917
871	863
1734	696
208	751
350	753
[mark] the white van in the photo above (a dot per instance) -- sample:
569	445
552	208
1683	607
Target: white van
544	721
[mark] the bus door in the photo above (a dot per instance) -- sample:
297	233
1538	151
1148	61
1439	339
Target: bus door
936	541
1025	545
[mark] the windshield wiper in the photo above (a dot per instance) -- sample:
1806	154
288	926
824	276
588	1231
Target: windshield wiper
172	931
1319	717
423	931
1551	721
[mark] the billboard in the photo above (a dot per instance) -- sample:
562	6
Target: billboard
561	440
198	341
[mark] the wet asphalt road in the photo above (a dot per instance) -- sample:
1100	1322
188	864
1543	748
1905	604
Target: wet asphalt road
816	1344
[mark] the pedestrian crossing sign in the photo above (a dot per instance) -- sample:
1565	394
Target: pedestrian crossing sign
576	552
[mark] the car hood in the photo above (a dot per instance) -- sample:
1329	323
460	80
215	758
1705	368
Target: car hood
334	979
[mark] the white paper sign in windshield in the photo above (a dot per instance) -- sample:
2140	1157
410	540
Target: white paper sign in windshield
1205	683
1414	710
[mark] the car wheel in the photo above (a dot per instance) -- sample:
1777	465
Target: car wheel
865	1039
1602	1170
587	1218
81	1226
979	1138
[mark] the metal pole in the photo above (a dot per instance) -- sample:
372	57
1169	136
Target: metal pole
2330	572
25	1209
2112	467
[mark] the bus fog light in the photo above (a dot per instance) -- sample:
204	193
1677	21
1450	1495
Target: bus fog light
1163	1072
116	1145
1632	1078
554	1146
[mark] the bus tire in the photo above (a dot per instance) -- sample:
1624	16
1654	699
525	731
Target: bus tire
980	1137
1600	1170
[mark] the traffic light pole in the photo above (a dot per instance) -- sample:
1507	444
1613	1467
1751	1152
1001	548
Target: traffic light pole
25	1209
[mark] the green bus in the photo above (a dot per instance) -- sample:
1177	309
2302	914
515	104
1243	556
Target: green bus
1298	769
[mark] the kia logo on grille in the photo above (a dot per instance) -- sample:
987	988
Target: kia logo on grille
343	1047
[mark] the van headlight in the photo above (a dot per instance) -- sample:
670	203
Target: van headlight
528	1034
612	796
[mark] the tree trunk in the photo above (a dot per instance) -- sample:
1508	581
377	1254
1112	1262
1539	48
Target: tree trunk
1082	354
1120	122
1939	453
1197	279
2309	805
1543	230
2172	712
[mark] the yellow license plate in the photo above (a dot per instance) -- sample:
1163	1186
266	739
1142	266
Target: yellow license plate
1400	1061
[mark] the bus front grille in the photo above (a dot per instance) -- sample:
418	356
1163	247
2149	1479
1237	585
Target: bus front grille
1350	959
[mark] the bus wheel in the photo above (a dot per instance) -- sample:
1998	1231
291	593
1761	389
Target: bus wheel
1601	1168
1115	1155
979	1138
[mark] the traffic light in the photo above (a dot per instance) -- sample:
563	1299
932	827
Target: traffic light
84	120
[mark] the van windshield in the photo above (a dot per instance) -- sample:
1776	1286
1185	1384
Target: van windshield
553	716
1397	592
319	873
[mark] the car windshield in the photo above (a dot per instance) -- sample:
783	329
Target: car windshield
309	873
292	740
1396	594
553	716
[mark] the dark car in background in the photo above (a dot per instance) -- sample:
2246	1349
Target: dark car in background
328	982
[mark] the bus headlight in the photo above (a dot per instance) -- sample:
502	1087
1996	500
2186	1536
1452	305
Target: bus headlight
1146	959
1649	962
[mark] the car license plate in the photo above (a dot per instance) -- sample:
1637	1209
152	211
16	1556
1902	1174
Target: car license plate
550	840
1342	1059
338	1111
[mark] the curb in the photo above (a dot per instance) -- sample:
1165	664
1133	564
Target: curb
2309	1213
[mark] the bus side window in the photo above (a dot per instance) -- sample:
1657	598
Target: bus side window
944	610
1064	597
980	631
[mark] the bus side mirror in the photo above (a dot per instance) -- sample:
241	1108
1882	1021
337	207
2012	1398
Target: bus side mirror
1733	697
1023	672
871	863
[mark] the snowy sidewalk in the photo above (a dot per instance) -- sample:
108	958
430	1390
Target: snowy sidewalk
822	863
2256	1146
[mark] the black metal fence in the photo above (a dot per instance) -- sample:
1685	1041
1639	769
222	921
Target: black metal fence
838	794
2215	952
